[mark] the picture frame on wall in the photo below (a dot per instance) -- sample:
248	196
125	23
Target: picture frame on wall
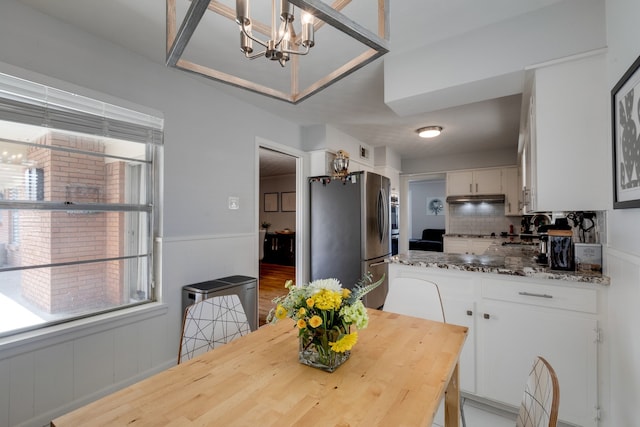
271	202
435	206
625	117
288	200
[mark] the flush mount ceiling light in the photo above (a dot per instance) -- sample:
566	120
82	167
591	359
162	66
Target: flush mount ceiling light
279	43
429	131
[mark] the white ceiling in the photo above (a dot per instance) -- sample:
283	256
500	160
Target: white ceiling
354	105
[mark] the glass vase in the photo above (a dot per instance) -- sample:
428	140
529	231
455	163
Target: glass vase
316	352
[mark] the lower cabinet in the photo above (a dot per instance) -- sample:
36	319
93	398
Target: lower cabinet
511	321
519	321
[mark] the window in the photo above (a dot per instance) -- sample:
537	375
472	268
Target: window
78	184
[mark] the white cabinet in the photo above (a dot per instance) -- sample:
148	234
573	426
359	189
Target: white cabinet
466	245
512	189
481	181
518	322
567	127
511	321
321	162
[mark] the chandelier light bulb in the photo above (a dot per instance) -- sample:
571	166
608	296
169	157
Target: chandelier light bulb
306	18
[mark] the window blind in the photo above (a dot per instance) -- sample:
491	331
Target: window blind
31	103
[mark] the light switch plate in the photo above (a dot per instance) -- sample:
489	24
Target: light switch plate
234	202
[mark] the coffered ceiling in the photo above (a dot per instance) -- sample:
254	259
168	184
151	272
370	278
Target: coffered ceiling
354	105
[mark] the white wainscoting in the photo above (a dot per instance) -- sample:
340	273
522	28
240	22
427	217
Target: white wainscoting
49	372
620	370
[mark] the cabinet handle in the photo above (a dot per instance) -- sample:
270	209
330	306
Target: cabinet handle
470	188
476	187
529	294
469	313
486	315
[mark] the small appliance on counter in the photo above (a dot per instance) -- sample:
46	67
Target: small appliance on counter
588	256
560	250
544	248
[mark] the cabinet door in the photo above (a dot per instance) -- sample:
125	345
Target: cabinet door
459	183
511	187
460	312
511	335
487	181
571	123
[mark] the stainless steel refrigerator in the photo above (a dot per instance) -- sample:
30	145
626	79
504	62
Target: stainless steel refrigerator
350	230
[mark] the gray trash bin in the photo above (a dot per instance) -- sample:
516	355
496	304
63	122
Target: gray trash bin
244	286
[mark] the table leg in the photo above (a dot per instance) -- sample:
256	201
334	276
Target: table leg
452	401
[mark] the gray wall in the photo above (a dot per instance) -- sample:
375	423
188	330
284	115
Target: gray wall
622	254
281	219
419	194
210	154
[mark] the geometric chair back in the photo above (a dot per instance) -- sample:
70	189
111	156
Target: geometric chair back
211	323
541	398
414	297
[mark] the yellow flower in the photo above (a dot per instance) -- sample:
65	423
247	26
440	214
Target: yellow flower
301	324
310	302
315	321
301	312
288	284
328	300
281	312
345	343
345	293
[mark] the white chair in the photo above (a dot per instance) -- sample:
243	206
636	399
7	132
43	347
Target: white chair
541	399
414	297
417	298
211	323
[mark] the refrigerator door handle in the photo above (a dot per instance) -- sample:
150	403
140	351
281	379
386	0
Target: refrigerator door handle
383	223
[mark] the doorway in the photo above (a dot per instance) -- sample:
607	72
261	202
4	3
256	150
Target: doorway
278	225
420	194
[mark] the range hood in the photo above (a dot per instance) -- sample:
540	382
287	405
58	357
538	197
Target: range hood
476	198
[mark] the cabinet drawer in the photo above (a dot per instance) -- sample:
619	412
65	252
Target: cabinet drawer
560	297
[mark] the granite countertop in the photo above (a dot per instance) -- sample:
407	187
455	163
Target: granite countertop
514	260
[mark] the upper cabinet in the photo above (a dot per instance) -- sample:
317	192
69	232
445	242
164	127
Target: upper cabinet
565	151
511	186
481	181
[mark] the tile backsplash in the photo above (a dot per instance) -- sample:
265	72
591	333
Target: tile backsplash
480	218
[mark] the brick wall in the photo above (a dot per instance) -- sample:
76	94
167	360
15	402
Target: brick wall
66	236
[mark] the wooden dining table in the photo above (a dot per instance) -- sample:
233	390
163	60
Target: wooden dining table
398	373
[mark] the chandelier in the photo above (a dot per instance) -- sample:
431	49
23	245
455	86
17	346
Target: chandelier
279	42
279	46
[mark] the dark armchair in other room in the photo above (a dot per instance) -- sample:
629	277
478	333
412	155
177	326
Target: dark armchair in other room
432	240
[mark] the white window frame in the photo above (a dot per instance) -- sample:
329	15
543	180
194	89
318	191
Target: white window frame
31	103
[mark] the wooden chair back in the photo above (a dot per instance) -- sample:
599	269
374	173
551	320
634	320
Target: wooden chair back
541	400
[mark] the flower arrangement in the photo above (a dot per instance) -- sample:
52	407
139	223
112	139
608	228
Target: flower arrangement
324	312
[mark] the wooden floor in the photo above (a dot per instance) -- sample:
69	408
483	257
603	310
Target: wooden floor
271	285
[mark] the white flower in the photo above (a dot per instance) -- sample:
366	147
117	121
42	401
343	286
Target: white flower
330	284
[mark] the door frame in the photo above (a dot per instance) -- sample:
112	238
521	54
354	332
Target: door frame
302	213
